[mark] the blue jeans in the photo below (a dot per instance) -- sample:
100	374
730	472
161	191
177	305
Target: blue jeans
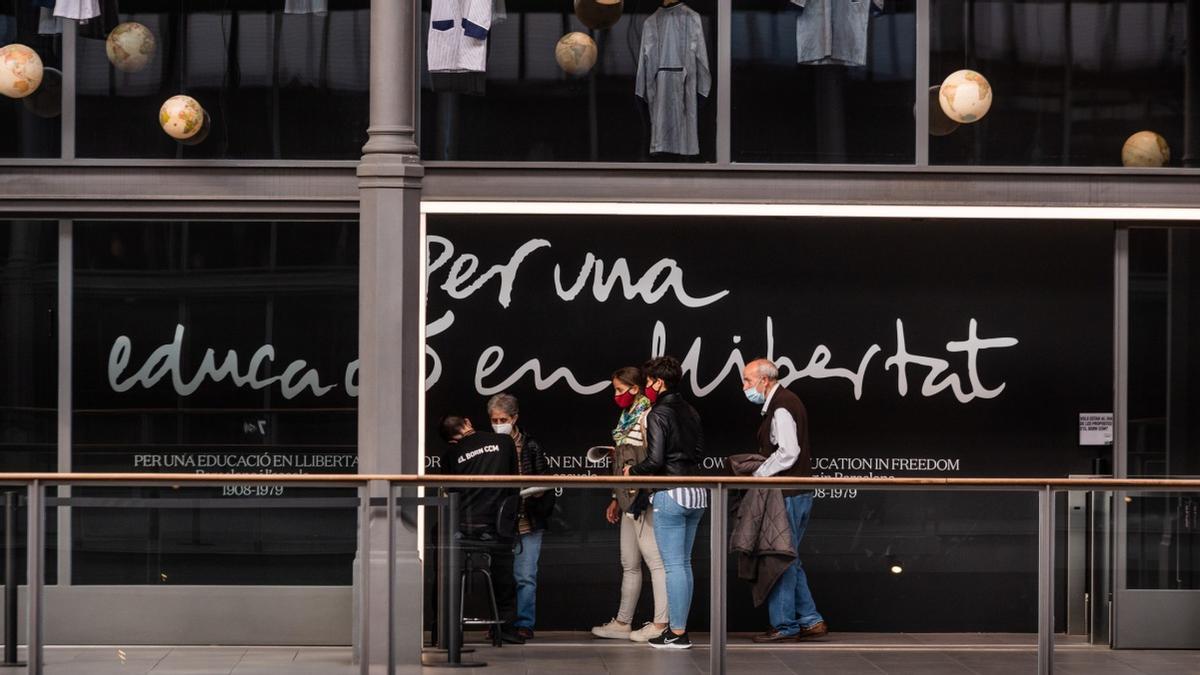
790	605
525	566
675	529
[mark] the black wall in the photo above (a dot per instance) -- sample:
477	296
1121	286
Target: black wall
836	287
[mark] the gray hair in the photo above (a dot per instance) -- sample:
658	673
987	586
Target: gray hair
767	369
505	403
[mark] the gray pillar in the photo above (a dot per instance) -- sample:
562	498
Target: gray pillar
389	341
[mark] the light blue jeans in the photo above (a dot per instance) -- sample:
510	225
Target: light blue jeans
675	529
526	552
790	605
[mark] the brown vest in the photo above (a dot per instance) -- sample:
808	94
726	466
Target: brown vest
790	402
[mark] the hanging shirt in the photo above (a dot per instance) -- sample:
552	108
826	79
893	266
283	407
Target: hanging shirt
79	10
672	70
458	33
305	6
833	31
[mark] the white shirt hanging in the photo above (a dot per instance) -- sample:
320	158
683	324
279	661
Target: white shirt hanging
305	6
458	33
77	10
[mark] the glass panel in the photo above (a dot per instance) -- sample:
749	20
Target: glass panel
29	345
1163	432
529	108
32	124
199	629
1163	540
273	79
801	95
195	351
889	317
1072	81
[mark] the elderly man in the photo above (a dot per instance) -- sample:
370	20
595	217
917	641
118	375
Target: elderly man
783	440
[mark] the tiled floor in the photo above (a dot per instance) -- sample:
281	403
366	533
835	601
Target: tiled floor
579	654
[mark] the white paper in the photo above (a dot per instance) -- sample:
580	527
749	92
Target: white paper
1095	428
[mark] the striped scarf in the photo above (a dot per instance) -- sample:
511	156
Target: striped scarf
629	419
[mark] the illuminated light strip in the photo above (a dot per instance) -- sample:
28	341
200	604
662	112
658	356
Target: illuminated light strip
815	210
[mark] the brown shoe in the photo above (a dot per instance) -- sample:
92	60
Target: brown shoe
525	633
772	636
816	630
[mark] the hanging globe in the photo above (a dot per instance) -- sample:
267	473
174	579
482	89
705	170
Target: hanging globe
1145	148
575	53
202	135
966	96
599	14
20	71
130	46
47	100
181	117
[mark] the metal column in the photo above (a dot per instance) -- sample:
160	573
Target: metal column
717	628
1045	581
35	545
390	336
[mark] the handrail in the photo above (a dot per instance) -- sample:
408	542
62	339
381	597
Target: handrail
1182	484
1046	489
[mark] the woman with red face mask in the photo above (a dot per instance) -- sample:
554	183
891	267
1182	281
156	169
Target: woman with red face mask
631	509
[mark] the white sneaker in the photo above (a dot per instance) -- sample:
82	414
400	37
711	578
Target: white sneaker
612	630
647	631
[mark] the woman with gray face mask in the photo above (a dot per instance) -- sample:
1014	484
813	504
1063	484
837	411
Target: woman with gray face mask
533	513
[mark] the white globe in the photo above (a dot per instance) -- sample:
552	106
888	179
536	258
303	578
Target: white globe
181	117
20	71
965	96
1145	148
130	46
575	53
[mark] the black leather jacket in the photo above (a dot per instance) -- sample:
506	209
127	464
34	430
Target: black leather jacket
533	463
675	441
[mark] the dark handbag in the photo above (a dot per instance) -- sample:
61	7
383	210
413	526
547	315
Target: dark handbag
507	516
627	455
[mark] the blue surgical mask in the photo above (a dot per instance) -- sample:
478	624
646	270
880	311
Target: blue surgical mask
755	396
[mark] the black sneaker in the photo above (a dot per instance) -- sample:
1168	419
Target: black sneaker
669	640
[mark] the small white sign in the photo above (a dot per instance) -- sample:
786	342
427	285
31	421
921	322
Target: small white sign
1095	428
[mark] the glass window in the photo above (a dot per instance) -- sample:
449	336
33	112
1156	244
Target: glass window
274	80
941	349
32	123
1073	81
829	83
528	107
29	345
194	352
1163	432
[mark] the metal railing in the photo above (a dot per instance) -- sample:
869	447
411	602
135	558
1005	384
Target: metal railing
719	486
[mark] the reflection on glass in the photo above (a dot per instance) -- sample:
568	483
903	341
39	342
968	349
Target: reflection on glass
1074	81
195	351
539	85
1163	431
31	108
832	83
283	80
29	345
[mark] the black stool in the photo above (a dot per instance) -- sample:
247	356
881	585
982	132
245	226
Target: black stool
477	559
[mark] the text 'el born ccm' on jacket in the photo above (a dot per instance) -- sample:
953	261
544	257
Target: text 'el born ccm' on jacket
458	33
672	70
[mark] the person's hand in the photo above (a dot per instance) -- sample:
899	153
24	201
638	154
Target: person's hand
625	470
613	513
